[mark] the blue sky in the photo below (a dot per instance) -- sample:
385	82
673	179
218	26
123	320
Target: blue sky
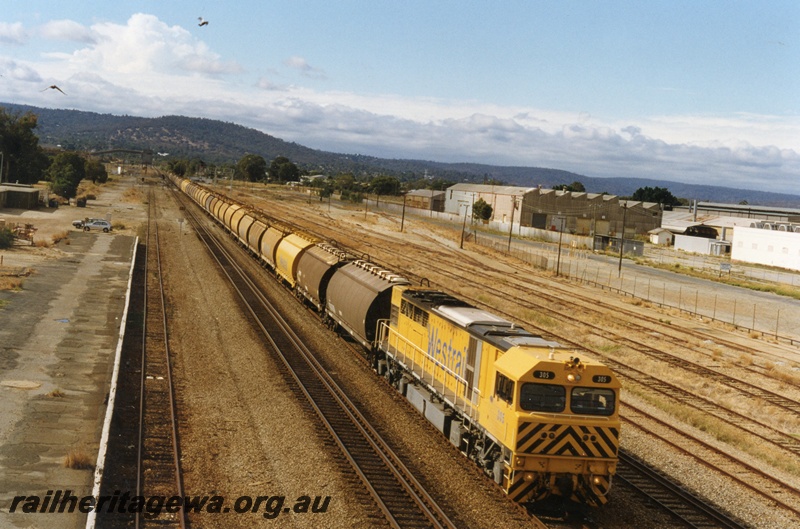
691	91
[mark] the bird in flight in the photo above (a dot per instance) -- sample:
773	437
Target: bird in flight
203	22
54	87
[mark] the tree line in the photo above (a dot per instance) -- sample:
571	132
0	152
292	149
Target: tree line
24	161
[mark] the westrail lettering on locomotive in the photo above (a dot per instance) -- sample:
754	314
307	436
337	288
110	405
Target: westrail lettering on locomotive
445	353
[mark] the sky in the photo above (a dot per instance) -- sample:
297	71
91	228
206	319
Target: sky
670	90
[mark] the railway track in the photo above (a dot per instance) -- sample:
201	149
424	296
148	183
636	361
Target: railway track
755	480
680	503
401	499
158	457
144	437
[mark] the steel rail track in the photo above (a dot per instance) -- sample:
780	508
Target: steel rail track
673	498
400	497
742	472
158	468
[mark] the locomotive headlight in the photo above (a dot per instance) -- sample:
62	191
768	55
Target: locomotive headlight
528	477
597	480
573	377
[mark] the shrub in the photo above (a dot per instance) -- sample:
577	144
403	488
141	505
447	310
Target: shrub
6	237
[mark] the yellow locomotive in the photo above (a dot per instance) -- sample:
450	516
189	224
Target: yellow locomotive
538	419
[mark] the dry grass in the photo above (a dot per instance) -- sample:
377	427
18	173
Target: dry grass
11	283
60	236
745	360
718	429
132	194
78	460
42	243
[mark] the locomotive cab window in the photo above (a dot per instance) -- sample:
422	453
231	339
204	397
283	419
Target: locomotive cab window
542	397
504	388
592	401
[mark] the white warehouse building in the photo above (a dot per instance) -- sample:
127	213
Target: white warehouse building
767	246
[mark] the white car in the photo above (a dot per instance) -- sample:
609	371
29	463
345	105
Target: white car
97	224
79	223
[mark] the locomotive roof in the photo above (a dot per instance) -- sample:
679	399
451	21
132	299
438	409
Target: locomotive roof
484	325
505	337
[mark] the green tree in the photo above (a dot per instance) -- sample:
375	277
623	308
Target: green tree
178	167
23	159
385	185
659	195
251	167
574	186
481	210
344	182
283	170
6	237
65	173
96	171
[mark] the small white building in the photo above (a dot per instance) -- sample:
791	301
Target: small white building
660	236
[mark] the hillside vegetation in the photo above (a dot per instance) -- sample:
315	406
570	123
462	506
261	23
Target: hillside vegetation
220	142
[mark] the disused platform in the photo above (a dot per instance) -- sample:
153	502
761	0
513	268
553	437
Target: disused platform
58	336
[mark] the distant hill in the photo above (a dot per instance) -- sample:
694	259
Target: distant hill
221	142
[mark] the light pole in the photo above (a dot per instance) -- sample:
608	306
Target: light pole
2	160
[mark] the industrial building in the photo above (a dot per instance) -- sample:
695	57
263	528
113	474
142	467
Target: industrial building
586	214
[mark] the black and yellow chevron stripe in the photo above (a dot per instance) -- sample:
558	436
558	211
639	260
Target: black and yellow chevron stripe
567	440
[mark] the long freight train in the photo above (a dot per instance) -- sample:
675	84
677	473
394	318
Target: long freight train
541	421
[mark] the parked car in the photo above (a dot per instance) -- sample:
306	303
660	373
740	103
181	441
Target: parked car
79	223
97	224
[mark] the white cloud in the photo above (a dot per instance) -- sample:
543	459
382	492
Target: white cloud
305	69
12	33
143	47
19	72
67	30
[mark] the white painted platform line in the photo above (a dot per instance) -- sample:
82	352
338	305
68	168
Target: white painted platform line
112	396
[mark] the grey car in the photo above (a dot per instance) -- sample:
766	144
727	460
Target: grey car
97	224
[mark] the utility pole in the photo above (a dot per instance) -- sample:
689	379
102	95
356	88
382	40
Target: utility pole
464	225
511	226
403	217
622	239
561	222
